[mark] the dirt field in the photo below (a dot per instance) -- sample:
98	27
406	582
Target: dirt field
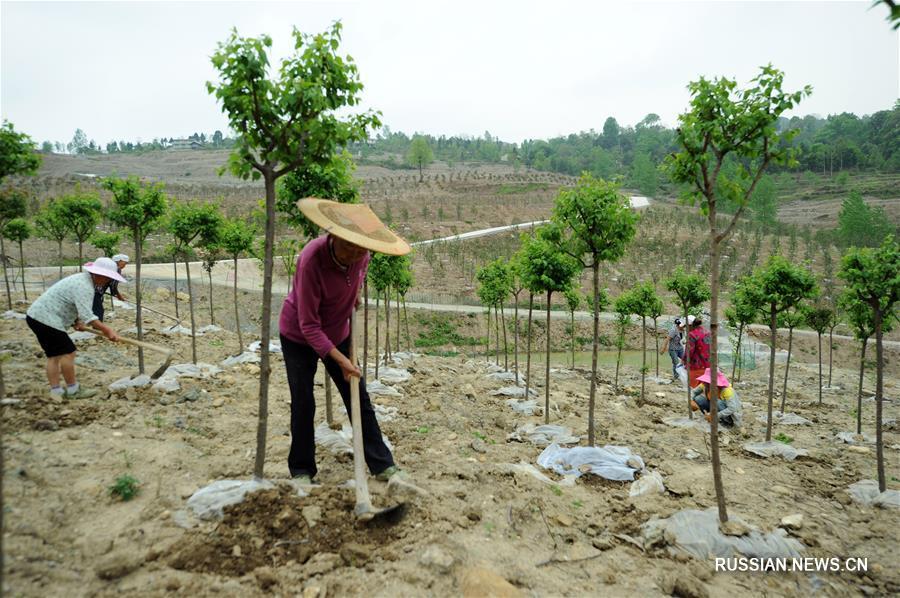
485	524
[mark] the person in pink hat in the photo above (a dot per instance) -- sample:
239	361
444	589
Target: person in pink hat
729	404
68	303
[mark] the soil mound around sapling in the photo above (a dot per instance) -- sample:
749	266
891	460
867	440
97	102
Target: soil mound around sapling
269	528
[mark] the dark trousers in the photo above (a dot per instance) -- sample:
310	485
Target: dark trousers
301	362
98	308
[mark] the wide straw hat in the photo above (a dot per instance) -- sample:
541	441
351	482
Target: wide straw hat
356	223
103	266
120	257
721	381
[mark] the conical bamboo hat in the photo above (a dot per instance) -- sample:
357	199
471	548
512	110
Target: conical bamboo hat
356	223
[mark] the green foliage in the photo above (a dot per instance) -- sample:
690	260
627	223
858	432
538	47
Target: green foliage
779	285
644	174
573	298
819	318
439	330
51	222
12	205
190	222
332	180
782	437
136	207
495	282
289	121
793	316
743	310
420	154
861	226
873	277
82	210
644	301
236	236
17	230
17	155
107	243
544	267
125	488
691	290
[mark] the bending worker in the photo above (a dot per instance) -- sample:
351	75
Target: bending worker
68	303
315	324
728	406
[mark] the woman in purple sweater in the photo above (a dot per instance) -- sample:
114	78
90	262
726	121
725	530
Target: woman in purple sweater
315	324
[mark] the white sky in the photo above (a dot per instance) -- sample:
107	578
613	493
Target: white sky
137	70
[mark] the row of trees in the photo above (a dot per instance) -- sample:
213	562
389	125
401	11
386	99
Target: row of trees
81	145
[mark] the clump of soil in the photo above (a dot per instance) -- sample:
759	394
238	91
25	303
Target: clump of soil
49	415
269	528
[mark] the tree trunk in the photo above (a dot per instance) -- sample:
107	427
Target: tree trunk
377	333
175	270
656	339
528	350
212	316
737	354
879	399
505	345
2	472
237	315
59	243
862	371
187	268
620	343
406	325
138	297
516	336
547	367
22	267
687	361
787	368
772	332
714	365
80	255
496	337
329	411
573	340
643	357
820	367
487	341
387	325
5	275
593	393
365	363
397	341
265	329
830	352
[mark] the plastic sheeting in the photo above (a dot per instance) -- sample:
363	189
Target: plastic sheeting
650	483
610	462
81	335
376	389
785	419
190	370
523	407
866	493
775	449
528	468
177	329
245	357
392	375
543	435
209	328
209	502
697	534
682	375
513	391
13	315
340	441
698	423
126	382
852	438
274	346
506	377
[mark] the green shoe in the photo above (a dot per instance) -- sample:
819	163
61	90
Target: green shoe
81	393
390	472
303	480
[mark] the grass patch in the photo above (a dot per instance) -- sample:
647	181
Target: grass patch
125	488
782	437
439	330
527	187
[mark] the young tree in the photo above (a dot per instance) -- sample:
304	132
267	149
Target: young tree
573	302
420	154
12	206
237	238
873	278
790	319
623	307
741	313
190	222
549	270
832	324
380	276
726	125
599	223
691	291
644	303
18	230
818	318
53	225
654	313
516	287
282	124
209	254
107	243
775	288
402	285
82	211
139	209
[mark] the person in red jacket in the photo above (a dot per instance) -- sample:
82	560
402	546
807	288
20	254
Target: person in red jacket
698	345
315	325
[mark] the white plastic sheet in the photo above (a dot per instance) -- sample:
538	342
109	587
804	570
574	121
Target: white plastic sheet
610	462
528	468
775	449
209	502
177	329
245	357
866	493
13	315
167	384
682	375
506	377
650	483
851	438
513	391
274	346
698	423
209	328
385	414
340	441
81	335
190	370
390	375
785	419
697	534
543	435
126	382
523	407
375	388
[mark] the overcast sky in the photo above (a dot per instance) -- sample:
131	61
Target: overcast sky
137	70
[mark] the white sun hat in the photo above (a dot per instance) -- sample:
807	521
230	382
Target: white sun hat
103	266
120	257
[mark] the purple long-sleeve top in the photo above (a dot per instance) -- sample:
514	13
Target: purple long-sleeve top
317	310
